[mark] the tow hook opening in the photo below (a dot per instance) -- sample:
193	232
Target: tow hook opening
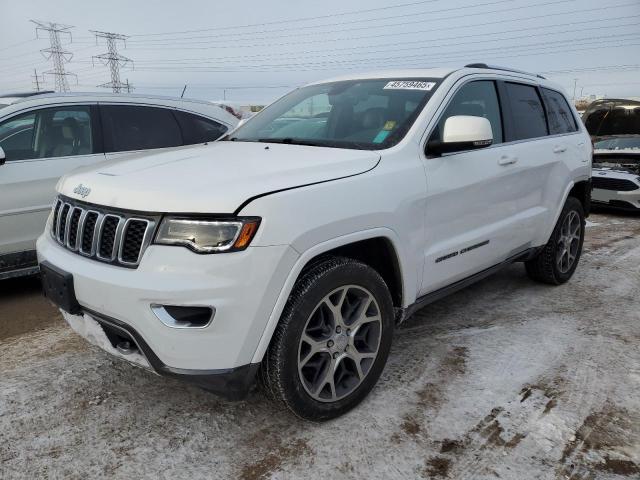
120	340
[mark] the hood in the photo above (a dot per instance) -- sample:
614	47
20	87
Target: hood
214	178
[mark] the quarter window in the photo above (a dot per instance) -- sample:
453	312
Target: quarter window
476	99
526	109
561	119
138	128
48	133
196	129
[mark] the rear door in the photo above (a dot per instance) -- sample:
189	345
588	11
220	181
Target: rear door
133	128
41	145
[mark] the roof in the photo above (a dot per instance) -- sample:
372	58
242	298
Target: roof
109	96
202	107
437	73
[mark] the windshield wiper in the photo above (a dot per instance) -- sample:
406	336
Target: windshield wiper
315	143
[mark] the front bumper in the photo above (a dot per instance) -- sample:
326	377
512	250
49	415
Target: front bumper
230	383
629	200
242	287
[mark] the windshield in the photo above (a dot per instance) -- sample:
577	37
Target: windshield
618	143
356	114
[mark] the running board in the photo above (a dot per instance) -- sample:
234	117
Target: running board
465	282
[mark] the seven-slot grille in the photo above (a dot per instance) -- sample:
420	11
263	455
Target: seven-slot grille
115	237
618	184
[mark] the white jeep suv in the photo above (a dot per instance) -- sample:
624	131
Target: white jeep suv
287	254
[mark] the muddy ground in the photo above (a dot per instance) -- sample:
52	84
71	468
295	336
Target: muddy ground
506	379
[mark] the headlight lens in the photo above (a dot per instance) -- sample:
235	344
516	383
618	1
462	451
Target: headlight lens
208	236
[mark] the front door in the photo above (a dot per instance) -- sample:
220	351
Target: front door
472	196
40	146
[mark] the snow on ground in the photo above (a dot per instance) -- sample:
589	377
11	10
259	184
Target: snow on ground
506	379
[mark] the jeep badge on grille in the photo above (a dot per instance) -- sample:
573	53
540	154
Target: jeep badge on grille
82	190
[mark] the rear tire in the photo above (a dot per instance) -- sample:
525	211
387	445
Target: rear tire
332	342
557	261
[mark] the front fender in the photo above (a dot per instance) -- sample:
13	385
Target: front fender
313	252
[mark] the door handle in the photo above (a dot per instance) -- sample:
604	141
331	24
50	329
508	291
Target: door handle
507	160
559	149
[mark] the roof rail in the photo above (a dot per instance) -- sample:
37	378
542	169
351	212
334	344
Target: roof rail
25	94
495	67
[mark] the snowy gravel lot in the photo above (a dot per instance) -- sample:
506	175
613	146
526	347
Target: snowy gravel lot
506	379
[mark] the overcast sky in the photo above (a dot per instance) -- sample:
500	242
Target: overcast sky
255	51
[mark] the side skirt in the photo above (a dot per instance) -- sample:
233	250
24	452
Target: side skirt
465	282
18	264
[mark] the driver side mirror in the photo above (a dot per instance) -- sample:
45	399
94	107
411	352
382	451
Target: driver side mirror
462	132
3	157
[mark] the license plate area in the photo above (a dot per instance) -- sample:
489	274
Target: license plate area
58	288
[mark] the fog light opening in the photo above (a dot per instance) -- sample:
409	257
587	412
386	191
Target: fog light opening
184	316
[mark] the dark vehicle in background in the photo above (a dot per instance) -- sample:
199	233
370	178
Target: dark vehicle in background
614	126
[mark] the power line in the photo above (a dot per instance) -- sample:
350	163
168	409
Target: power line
290	20
444	54
393	46
56	53
113	60
351	22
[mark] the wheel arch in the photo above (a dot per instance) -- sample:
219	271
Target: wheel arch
377	247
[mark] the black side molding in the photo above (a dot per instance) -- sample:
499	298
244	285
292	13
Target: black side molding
465	282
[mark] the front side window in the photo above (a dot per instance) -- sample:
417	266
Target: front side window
561	119
526	109
197	129
128	127
358	114
475	99
48	133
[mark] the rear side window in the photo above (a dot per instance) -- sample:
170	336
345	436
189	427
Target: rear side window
527	112
129	127
197	129
561	119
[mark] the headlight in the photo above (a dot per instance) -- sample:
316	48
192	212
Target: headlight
208	236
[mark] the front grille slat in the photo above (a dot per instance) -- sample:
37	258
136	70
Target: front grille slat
74	223
88	228
118	238
107	240
62	222
617	184
132	240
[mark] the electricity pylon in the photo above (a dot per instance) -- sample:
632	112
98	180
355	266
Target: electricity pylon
58	55
113	60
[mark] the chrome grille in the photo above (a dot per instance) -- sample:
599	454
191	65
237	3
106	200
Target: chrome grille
115	237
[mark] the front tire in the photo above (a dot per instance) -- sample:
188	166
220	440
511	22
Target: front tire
332	342
557	261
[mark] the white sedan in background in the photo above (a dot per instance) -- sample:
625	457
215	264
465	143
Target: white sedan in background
44	137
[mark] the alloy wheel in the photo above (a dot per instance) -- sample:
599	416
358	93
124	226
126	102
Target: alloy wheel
568	242
339	343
